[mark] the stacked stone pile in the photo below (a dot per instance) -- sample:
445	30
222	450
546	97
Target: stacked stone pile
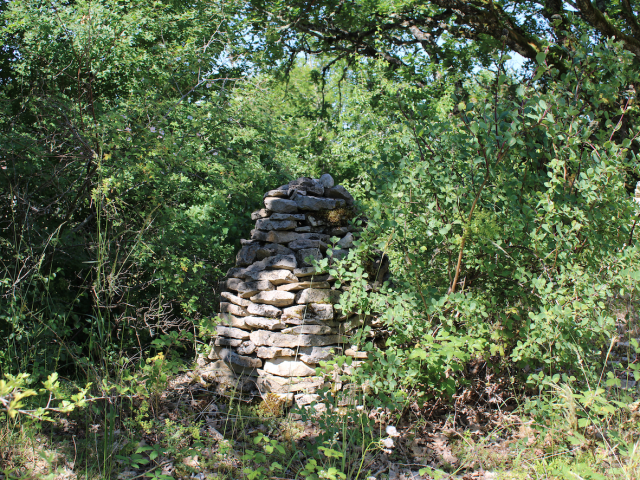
277	313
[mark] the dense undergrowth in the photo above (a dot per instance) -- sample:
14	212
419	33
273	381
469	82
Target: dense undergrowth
137	137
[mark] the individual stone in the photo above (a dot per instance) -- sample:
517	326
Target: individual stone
233	283
247	254
272	352
227	342
304	244
280	192
280	205
304	271
309	185
339	192
269	224
233	309
341	231
350	352
272	249
309	330
258	214
315	355
315	295
312	312
264	323
276	236
288	367
303	399
338	254
315	222
314	236
306	229
262	310
275	277
352	323
327	181
234	299
232	332
228	320
294	287
306	256
275	298
283	262
228	356
273	339
268	383
315	204
246	348
346	241
249	289
223	378
236	272
299	217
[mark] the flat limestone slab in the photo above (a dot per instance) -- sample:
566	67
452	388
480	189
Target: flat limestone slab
249	289
229	320
275	236
228	356
293	287
263	323
233	309
310	312
272	339
275	277
233	333
271	249
268	224
275	298
280	205
309	330
268	383
262	310
235	299
273	352
315	295
288	367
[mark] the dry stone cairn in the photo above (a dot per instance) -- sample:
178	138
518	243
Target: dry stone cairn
278	320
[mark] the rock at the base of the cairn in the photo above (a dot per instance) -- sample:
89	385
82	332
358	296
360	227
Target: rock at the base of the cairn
288	367
228	356
246	348
233	368
273	352
268	383
273	339
314	355
220	374
275	298
306	256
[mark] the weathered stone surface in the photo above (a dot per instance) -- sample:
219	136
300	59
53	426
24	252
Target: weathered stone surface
327	181
306	229
275	236
341	231
315	203
228	356
280	193
312	312
268	383
258	214
309	185
247	254
315	222
306	256
303	399
276	277
350	352
339	192
283	262
314	295
232	332
228	320
304	271
315	355
338	254
299	217
294	287
275	298
288	367
305	244
233	309
272	339
280	205
227	342
272	249
273	352
249	289
309	330
269	224
352	323
229	367
262	310
220	373
264	323
246	348
235	299
314	236
233	283
346	241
